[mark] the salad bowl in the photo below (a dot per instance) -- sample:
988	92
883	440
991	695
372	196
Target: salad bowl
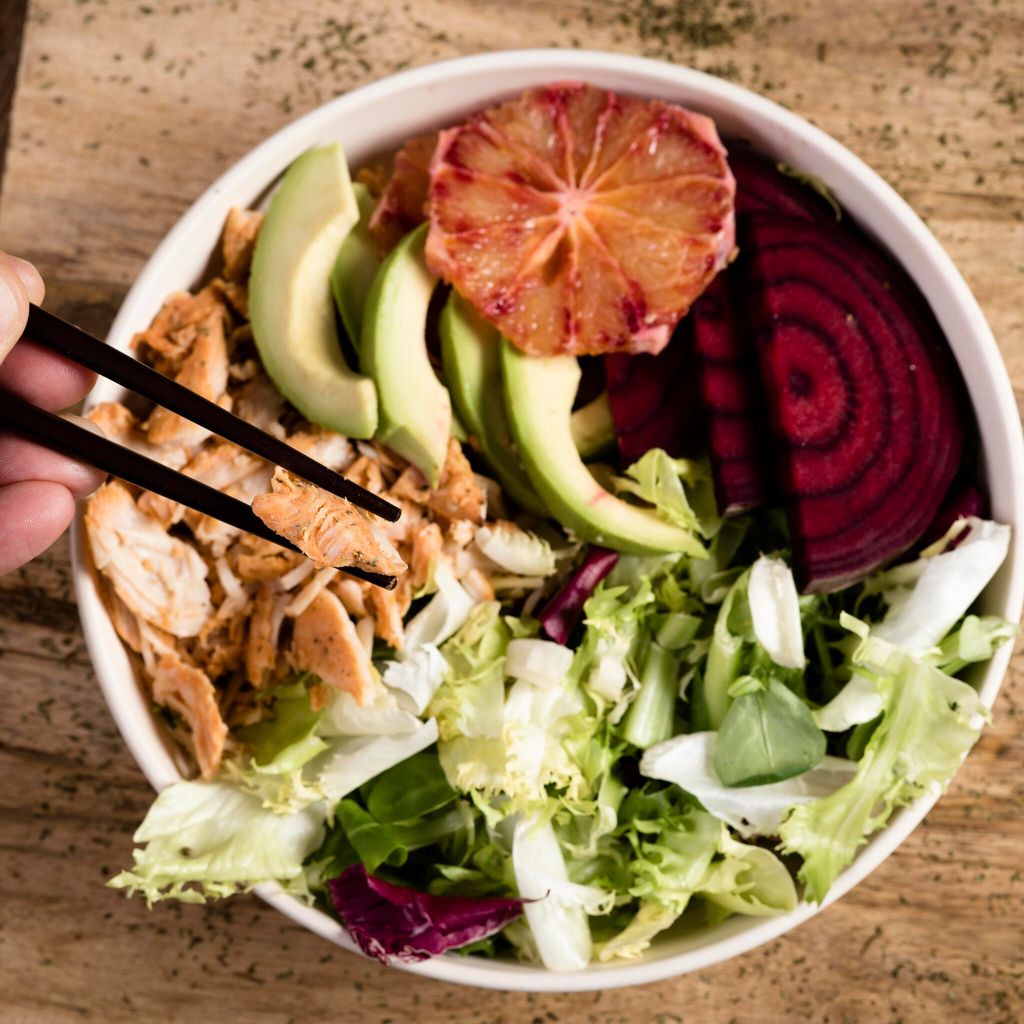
379	117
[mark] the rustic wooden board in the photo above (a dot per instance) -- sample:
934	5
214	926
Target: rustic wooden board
124	112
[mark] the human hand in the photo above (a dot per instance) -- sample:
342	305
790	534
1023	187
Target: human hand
38	488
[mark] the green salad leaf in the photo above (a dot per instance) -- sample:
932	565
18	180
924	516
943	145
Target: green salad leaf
412	788
286	739
929	722
767	735
205	840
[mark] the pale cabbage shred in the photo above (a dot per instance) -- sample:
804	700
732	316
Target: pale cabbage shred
527	729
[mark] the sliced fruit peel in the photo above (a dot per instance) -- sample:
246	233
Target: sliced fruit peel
538	217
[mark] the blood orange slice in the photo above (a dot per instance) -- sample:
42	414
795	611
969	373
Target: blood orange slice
576	220
403	202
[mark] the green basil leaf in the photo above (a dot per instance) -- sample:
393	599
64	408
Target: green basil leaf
412	788
766	737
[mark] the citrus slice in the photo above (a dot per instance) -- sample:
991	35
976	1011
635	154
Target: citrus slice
579	221
403	202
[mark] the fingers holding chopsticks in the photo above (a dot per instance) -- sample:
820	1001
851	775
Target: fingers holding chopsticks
38	488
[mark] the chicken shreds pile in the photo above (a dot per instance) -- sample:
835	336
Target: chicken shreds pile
217	615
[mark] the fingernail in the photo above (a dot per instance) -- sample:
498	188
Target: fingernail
13	310
28	275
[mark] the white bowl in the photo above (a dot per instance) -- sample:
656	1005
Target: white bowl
381	116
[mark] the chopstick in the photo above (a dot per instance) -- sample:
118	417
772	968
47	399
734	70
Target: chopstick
74	440
59	336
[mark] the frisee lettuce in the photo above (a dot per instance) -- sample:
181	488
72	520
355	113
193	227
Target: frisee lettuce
929	722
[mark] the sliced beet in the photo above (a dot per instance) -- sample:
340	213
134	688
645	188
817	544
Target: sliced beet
961	503
560	616
862	392
655	400
739	442
762	188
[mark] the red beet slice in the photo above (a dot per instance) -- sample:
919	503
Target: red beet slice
862	394
562	613
967	501
739	441
655	400
762	188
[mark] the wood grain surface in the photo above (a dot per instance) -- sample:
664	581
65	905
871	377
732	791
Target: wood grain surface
124	112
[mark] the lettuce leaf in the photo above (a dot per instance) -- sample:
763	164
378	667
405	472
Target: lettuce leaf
605	660
351	762
206	840
657	479
680	852
689	762
557	910
929	722
775	612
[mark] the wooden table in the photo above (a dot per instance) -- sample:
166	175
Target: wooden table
124	111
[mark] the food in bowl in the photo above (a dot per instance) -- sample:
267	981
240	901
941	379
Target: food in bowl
689	581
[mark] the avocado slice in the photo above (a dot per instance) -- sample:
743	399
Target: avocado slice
592	426
539	393
290	304
415	410
355	267
471	354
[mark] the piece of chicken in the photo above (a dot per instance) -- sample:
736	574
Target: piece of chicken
240	230
187	691
427	546
325	642
258	402
203	370
120	424
160	578
328	529
257	559
457	496
386	608
263	638
176	328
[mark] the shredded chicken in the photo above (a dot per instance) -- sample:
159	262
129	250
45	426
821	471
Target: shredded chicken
177	326
386	608
161	578
261	642
120	424
240	230
457	496
328	529
325	642
188	692
203	370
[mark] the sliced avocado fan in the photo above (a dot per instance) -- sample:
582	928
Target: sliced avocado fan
290	303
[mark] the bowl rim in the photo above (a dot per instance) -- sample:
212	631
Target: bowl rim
899	221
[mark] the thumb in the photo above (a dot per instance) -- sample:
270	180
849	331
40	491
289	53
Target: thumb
20	284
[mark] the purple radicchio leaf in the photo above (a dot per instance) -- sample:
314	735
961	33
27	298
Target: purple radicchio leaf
389	920
560	615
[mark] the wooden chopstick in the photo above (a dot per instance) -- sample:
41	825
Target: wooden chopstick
71	439
58	335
